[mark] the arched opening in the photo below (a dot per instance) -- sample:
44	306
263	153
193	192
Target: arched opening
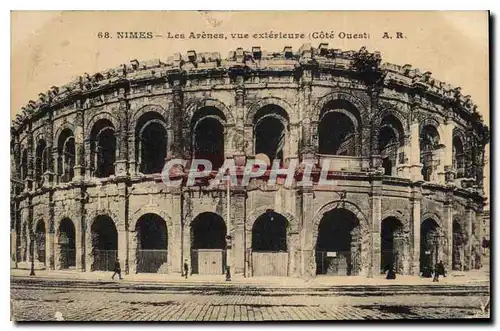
270	127
151	139
270	245
67	244
40	243
458	246
103	148
66	156
430	246
338	129
41	161
390	140
392	245
152	244
338	244
429	143
208	244
104	243
208	136
458	157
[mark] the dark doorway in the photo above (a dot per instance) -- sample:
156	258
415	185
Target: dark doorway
152	242
269	245
67	244
336	134
208	244
391	245
337	245
429	246
103	148
269	233
40	241
104	243
270	125
151	143
458	247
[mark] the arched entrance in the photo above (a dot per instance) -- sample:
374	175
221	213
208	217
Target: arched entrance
430	246
207	127
270	245
151	140
103	148
104	243
429	156
458	246
338	244
208	244
390	141
40	241
67	245
392	245
270	129
152	244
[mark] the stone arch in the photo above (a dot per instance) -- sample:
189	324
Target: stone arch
60	129
398	214
98	262
338	95
255	213
434	216
150	210
352	207
379	115
194	105
40	230
92	216
269	101
432	122
100	116
136	115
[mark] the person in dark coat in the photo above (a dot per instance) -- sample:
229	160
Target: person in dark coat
186	268
118	270
391	274
440	269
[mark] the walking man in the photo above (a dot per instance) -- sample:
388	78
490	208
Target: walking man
186	268
118	270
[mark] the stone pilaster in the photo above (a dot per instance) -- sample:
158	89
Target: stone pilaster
469	219
414	156
50	242
376	224
308	260
122	136
238	211
80	147
448	218
49	136
415	229
178	105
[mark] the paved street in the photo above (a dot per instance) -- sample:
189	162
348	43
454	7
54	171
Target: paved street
108	303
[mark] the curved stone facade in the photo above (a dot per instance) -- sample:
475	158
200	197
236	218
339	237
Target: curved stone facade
406	154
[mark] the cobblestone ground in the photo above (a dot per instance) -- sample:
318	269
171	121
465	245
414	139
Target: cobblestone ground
29	303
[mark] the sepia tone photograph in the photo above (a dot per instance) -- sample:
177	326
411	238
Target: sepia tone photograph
212	166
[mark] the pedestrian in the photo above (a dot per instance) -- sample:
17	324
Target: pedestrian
118	270
391	274
440	269
186	268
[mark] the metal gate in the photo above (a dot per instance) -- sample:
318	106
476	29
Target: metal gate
104	260
208	261
151	260
269	263
68	258
336	263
